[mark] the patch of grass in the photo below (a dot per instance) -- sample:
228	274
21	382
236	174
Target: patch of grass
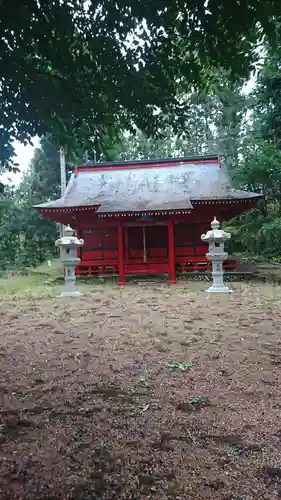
174	365
209	340
54	270
41	282
22	286
36	282
143	381
192	404
196	400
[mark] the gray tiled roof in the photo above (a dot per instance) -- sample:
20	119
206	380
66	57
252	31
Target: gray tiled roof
148	187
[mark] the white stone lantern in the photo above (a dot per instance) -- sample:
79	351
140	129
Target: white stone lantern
216	239
68	245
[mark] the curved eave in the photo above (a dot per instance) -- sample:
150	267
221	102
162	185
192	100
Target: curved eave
103	215
94	208
228	201
145	213
91	208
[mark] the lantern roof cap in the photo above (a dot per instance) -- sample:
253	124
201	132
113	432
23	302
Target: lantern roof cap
215	224
69	239
216	234
68	231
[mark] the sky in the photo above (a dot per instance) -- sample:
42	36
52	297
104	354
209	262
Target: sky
23	156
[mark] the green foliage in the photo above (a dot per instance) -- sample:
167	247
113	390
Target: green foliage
150	98
26	237
42	182
143	381
268	102
196	400
259	231
175	365
260	171
214	124
259	168
83	70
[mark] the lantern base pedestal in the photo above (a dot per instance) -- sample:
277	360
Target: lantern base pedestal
70	294
219	289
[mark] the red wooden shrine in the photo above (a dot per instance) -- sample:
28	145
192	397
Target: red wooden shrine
147	216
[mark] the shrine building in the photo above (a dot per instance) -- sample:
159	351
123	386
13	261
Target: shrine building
147	216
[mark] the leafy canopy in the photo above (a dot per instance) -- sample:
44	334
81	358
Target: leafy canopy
259	169
81	70
214	124
26	237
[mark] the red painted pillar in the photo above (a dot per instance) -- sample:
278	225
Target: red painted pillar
126	243
121	255
78	232
172	276
79	249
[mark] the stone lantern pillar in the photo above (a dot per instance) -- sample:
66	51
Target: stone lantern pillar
68	245
216	239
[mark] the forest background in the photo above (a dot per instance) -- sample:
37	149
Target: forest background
141	97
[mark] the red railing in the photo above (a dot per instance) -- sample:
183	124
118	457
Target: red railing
157	266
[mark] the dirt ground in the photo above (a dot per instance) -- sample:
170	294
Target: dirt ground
142	392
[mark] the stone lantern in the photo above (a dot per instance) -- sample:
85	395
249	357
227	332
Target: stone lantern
68	245
216	239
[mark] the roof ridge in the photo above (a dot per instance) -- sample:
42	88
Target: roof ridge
148	161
